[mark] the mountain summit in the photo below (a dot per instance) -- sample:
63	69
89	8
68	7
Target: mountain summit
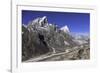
65	28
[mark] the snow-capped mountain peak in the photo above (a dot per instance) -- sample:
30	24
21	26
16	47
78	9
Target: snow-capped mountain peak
43	18
43	21
65	29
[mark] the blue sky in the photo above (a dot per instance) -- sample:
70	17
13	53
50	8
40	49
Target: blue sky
77	22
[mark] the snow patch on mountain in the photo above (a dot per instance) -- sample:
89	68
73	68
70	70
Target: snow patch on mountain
24	25
66	43
65	29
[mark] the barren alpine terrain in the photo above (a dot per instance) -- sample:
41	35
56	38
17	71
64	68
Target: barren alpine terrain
43	41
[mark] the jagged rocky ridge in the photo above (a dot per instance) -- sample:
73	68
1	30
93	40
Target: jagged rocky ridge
40	37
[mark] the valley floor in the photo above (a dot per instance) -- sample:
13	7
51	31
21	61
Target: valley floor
77	53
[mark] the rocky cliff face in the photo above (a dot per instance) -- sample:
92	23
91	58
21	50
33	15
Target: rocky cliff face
40	37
